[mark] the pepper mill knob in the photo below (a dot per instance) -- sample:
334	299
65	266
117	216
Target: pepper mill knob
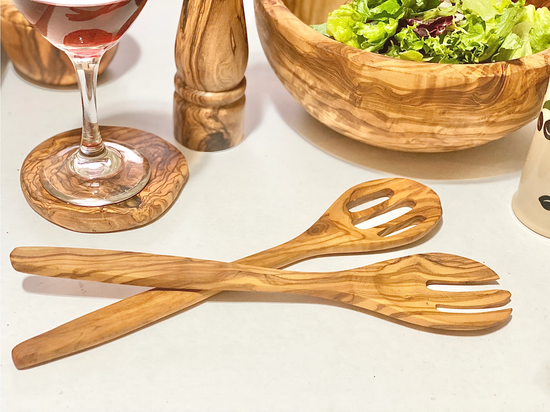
211	57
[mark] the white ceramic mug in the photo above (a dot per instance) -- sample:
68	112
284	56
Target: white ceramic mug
531	203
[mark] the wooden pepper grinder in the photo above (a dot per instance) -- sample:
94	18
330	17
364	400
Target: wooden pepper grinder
211	57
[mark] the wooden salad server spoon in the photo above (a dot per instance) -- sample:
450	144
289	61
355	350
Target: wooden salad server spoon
335	232
397	288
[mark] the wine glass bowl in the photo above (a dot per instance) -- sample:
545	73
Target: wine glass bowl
34	58
81	27
94	172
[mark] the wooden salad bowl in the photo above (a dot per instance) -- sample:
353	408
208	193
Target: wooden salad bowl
392	103
35	58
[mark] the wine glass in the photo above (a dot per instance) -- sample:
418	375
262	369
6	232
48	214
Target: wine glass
94	172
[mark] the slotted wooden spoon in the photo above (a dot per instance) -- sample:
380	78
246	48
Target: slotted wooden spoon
335	232
397	288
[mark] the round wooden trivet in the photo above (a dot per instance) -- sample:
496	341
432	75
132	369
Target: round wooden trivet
169	173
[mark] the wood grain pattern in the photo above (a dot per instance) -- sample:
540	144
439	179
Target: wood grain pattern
211	57
397	288
392	103
33	57
337	230
169	173
333	233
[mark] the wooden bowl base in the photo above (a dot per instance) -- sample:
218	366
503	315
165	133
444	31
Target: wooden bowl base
169	173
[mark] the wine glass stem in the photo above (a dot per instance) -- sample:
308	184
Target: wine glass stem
91	144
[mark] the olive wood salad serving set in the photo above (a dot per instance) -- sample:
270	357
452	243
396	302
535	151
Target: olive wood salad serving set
396	289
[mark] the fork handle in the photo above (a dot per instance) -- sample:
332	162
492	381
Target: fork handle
174	272
130	314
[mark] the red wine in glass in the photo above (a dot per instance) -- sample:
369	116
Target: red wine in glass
81	26
95	172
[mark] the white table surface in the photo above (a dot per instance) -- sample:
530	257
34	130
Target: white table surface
267	352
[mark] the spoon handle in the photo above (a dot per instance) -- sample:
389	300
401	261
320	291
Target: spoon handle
104	325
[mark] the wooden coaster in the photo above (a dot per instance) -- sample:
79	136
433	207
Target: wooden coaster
169	173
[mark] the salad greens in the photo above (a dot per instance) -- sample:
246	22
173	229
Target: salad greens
443	31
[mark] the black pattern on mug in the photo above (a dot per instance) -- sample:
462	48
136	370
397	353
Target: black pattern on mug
541	124
545	202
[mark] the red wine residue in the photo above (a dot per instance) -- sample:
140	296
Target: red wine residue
81	29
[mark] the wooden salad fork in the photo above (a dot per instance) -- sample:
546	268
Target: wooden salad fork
335	232
397	288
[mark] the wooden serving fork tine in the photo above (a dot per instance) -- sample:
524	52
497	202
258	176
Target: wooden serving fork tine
335	232
397	288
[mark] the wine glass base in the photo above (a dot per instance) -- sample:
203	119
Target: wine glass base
121	174
169	173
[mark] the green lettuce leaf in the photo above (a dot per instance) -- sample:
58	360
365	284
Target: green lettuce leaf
376	34
386	10
540	33
517	44
483	8
321	28
480	31
411	55
342	23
